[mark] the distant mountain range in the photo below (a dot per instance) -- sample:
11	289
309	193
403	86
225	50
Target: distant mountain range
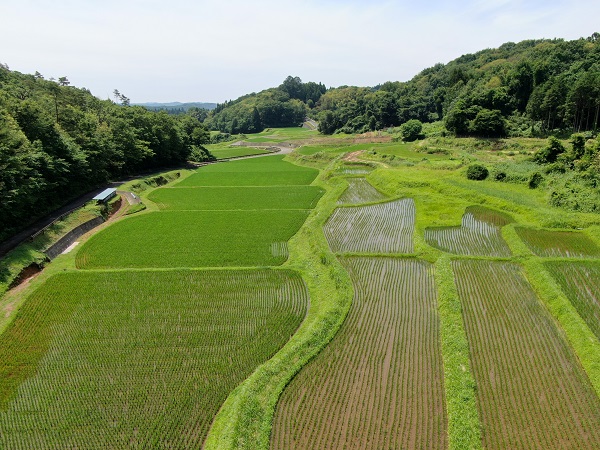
176	106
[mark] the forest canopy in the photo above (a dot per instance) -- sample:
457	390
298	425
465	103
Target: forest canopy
58	142
531	88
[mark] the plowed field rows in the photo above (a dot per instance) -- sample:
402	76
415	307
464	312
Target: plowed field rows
382	228
479	234
568	244
580	281
360	191
138	359
531	390
379	383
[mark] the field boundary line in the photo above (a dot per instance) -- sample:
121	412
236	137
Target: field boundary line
578	334
464	427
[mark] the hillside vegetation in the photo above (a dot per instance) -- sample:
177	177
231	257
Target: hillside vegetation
58	142
533	87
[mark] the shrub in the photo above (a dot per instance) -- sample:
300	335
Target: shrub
477	172
411	130
535	180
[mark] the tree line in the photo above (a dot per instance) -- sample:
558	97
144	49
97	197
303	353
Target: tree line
535	87
531	88
284	106
58	142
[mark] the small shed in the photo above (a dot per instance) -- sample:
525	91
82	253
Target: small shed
105	195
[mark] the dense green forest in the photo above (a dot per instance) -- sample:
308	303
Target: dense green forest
534	87
283	106
530	88
58	142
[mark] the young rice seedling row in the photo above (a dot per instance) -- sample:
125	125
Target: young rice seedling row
379	383
138	359
531	389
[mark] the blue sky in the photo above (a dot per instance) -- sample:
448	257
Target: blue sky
216	50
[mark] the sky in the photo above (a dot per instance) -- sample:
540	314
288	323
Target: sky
218	50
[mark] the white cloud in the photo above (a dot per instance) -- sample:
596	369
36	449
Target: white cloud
213	50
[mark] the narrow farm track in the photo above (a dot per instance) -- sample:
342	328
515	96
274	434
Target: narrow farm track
381	228
379	383
532	392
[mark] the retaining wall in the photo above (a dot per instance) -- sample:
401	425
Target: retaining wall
65	241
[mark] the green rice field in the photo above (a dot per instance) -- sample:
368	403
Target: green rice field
138	359
194	239
549	243
237	198
265	171
360	191
479	234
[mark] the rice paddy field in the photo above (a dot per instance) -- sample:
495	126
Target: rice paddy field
193	239
360	191
379	384
211	226
568	244
531	389
580	281
138	359
479	234
381	228
266	171
237	198
316	300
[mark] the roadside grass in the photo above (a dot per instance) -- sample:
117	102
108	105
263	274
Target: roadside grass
31	252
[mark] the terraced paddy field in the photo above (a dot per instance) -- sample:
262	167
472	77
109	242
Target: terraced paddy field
237	198
264	171
194	239
138	359
479	234
225	152
531	390
561	244
580	281
360	191
381	228
379	383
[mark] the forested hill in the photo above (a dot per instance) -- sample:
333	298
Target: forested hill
532	87
58	141
284	106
